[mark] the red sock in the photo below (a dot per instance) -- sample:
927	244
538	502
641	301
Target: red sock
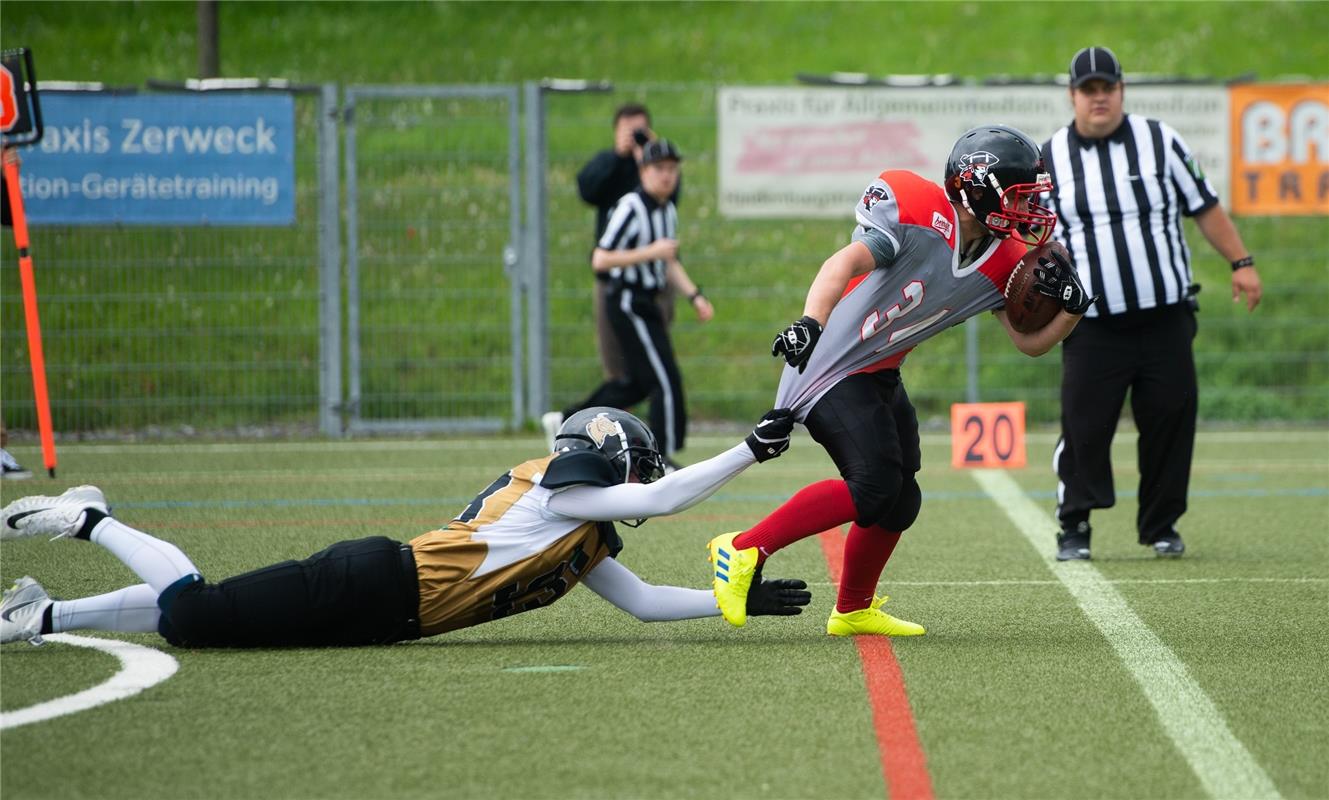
866	551
816	507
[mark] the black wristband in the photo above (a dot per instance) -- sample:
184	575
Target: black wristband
692	298
1248	261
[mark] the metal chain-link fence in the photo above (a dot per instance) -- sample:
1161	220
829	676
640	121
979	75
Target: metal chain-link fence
433	307
1273	364
236	328
174	328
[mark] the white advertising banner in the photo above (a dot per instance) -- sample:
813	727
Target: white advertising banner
809	152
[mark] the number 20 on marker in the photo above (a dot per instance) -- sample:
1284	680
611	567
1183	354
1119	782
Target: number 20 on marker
987	435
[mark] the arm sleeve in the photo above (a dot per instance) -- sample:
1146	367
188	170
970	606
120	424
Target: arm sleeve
1184	170
883	249
671	494
621	586
878	217
596	179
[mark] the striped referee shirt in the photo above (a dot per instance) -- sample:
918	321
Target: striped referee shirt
1119	202
636	221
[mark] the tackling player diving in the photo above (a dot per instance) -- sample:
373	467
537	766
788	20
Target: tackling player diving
538	530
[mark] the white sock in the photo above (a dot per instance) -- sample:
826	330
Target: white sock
129	610
158	563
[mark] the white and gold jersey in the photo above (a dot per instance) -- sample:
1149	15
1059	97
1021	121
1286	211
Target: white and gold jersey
505	554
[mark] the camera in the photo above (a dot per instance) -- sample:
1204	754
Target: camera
641	136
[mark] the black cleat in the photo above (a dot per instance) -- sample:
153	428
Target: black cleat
1169	545
1073	543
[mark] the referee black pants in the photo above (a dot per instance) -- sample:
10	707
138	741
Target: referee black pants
651	368
1150	355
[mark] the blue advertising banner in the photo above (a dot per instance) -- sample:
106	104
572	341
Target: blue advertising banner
170	159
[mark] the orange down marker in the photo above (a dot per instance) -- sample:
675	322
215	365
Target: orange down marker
987	435
30	314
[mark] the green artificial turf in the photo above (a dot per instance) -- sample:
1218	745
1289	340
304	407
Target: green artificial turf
1014	692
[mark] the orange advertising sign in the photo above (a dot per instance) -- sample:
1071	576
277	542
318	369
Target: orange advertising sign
1280	149
987	435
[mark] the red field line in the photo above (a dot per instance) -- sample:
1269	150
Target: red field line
903	764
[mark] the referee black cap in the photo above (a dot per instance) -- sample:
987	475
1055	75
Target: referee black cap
1095	63
659	150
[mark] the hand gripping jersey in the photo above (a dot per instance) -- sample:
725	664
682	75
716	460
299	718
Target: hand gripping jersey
505	554
921	286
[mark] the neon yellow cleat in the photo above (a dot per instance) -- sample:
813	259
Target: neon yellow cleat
733	577
871	621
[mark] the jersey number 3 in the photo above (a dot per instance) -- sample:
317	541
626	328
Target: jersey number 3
876	322
517	597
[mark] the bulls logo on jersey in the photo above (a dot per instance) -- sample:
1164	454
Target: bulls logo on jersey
974	167
873	195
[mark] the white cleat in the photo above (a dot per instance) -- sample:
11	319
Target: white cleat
551	421
37	515
21	612
10	469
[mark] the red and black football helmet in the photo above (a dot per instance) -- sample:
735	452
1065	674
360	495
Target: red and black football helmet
997	173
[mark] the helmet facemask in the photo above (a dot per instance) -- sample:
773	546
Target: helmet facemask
1019	215
641	463
636	462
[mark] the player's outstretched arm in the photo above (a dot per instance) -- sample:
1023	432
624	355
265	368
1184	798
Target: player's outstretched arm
649	603
682	488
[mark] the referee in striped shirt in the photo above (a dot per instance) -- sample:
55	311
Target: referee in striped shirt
1123	182
639	252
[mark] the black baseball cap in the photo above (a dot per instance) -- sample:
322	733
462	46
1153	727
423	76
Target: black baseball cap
659	150
1095	63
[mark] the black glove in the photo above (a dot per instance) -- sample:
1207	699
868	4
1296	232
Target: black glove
782	597
795	342
771	436
1055	277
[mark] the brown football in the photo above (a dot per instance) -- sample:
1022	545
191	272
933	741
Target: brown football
1026	308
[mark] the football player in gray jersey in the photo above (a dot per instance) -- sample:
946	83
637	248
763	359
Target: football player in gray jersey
922	258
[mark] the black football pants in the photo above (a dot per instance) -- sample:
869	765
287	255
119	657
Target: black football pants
1148	354
356	592
869	428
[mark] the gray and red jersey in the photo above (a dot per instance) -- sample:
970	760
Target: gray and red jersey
921	286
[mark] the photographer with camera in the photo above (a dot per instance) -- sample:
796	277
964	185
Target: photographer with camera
609	175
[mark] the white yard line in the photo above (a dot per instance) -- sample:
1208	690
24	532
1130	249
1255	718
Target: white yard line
1223	765
140	668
